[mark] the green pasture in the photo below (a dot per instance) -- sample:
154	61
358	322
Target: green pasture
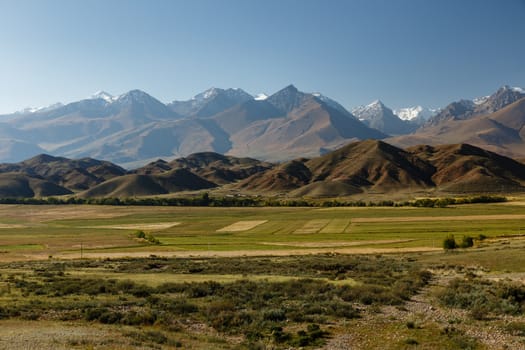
29	229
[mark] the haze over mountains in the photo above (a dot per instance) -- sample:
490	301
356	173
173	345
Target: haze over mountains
135	128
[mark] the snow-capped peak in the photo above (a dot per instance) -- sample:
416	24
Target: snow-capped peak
210	93
40	109
232	93
362	112
480	100
415	113
518	89
261	97
103	95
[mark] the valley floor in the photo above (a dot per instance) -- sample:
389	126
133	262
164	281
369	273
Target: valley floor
82	277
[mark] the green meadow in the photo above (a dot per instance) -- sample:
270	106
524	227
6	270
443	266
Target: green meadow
64	231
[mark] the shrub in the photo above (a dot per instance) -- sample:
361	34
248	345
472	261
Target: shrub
449	243
140	234
466	242
411	341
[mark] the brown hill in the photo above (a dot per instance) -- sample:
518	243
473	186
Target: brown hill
76	175
214	167
367	164
16	185
126	186
373	164
502	132
148	185
466	168
285	177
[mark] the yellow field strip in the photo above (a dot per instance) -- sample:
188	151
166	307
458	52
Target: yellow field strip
240	226
12	226
442	218
156	226
312	226
336	244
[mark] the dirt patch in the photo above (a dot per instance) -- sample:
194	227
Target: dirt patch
144	227
42	335
335	244
441	218
234	253
240	226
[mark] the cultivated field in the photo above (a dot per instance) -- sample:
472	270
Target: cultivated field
110	277
38	232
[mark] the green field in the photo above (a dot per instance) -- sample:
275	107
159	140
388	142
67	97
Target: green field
68	231
261	278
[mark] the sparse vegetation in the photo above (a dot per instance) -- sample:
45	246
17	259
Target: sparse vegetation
289	312
482	297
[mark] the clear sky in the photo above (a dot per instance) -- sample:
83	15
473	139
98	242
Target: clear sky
404	52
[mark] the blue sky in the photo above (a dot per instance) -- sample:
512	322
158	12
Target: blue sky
404	52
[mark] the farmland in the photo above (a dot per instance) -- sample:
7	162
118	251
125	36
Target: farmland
261	278
38	232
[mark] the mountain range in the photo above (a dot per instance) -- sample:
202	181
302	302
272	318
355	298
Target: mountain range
135	128
359	168
496	123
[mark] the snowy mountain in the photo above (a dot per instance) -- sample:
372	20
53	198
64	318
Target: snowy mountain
466	109
260	97
104	96
133	128
210	102
417	114
376	115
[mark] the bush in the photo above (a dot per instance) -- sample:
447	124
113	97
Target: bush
466	242
140	234
449	243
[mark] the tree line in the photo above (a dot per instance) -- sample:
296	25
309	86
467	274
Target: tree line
205	200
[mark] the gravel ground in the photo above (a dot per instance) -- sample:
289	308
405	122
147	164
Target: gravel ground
424	309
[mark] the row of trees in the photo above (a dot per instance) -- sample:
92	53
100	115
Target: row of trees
205	200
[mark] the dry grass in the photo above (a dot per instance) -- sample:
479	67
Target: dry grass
441	218
46	335
240	226
313	226
139	226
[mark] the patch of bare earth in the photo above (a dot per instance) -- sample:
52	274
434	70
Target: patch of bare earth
240	226
441	218
42	335
141	226
234	253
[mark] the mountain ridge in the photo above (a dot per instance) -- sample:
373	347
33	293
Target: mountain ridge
359	168
135	128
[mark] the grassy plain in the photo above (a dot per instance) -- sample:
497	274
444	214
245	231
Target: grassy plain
296	279
36	232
